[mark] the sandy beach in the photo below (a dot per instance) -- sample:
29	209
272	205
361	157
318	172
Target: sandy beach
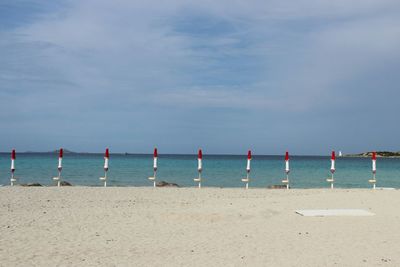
126	226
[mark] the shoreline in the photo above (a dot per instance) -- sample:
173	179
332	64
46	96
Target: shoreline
203	187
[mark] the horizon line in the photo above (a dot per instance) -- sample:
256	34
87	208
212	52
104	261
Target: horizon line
169	154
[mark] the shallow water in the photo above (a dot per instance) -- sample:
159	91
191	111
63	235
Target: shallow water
218	170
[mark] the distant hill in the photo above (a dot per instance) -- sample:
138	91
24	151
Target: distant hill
382	154
66	151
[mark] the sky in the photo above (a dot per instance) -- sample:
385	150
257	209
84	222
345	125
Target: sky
226	76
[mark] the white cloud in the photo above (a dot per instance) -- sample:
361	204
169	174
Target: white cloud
280	57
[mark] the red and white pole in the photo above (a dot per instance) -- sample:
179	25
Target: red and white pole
59	167
333	169
60	157
333	159
199	167
155	156
374	162
200	161
248	161
373	181
13	179
153	178
287	170
106	161
248	169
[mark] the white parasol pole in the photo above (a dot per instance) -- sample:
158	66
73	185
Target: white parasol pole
373	181
155	156
333	169
59	167
106	160
13	179
287	170
199	167
248	168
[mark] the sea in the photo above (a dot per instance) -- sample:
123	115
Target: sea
218	170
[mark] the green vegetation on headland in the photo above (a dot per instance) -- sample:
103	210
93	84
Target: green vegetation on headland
66	151
381	154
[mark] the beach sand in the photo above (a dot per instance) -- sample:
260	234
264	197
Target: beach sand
127	226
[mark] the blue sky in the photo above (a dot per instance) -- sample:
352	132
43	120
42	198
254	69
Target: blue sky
305	76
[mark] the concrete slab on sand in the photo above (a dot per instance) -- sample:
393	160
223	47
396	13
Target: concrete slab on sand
334	212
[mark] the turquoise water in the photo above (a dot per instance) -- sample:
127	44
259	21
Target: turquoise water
218	170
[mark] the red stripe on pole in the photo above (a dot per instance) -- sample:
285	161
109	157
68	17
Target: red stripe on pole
333	155
249	154
287	156
13	154
107	154
374	155
61	153
155	153
200	156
